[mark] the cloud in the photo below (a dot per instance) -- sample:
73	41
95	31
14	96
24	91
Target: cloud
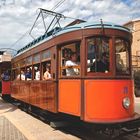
17	18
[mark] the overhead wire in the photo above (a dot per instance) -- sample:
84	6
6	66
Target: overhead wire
28	31
36	24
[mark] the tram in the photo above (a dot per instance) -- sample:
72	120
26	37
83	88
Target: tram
89	66
5	82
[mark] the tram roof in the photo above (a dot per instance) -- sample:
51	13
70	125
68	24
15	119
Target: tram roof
58	31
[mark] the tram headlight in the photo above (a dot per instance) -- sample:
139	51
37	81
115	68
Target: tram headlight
126	102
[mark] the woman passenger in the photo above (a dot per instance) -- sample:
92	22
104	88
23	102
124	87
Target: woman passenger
47	74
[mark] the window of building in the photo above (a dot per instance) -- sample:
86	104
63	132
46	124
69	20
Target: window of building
98	55
70	59
122	56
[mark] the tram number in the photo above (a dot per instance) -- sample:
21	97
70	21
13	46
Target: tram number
125	90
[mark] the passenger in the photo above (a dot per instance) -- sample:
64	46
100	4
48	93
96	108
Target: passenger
119	63
70	71
28	74
47	74
5	76
21	76
37	73
102	65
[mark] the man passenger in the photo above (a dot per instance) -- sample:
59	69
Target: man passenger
70	71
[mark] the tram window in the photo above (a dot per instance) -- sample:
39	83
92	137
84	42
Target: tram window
36	71
29	60
13	75
122	56
17	74
36	58
46	70
46	55
98	55
22	63
22	74
70	59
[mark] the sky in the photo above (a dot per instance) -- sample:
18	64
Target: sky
17	16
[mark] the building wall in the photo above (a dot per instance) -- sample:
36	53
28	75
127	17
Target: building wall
134	26
5	57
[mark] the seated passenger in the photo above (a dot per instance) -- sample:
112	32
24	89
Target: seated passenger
70	71
28	74
101	65
104	64
21	76
47	74
5	76
119	63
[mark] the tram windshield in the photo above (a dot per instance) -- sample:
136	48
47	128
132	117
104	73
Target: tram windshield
122	57
98	55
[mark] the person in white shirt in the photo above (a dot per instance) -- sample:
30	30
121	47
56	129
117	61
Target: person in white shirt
70	71
37	74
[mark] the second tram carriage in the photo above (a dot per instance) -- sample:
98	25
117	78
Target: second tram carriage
5	83
97	87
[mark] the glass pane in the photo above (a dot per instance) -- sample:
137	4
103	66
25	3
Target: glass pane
22	63
29	60
46	54
122	59
36	58
98	55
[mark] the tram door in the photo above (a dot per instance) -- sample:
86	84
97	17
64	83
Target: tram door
69	95
49	86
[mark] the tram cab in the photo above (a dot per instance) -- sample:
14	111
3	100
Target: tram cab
102	90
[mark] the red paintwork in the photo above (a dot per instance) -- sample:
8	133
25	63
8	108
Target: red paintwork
6	87
103	100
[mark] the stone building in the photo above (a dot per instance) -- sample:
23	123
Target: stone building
134	26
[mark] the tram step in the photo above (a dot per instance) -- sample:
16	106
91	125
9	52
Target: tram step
58	124
130	131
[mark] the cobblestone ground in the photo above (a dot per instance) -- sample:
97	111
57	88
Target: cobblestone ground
8	131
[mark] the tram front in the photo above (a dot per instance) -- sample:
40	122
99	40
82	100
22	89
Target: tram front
108	88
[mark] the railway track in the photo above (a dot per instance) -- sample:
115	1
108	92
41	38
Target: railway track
81	131
78	129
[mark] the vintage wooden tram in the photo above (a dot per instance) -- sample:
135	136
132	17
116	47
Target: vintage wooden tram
96	89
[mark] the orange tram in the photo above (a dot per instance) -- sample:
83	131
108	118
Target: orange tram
82	70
